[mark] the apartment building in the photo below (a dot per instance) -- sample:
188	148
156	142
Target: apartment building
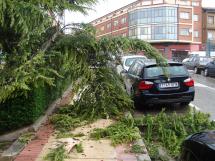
208	25
174	27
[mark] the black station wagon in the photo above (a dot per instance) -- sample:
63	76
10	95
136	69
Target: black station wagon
150	84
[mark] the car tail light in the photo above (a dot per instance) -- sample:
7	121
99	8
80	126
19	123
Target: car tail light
189	82
144	85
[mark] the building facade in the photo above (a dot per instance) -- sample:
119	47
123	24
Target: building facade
174	27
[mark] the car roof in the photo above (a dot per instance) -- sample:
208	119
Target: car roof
133	56
152	62
207	138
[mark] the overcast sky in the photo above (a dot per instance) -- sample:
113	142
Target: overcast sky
105	6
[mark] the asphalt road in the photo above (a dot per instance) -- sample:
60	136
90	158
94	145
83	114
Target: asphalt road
205	94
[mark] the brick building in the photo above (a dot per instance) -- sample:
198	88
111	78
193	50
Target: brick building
174	27
208	24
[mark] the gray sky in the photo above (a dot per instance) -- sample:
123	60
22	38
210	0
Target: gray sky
105	6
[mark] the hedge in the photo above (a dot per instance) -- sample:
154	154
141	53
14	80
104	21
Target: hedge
24	110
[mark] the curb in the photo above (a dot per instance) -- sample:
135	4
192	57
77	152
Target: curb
142	156
12	151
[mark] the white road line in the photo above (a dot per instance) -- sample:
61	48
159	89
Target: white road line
194	106
204	86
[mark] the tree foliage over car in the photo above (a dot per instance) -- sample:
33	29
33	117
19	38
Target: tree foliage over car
38	58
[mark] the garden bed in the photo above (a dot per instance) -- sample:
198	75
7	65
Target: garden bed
167	131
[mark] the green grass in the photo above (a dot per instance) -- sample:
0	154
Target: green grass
137	149
169	130
119	133
57	154
79	148
26	137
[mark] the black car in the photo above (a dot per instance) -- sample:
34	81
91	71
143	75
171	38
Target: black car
210	69
148	85
197	63
199	147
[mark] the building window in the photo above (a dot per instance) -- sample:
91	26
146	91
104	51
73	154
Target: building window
102	28
108	25
184	15
196	34
211	35
184	32
211	20
195	4
123	20
116	23
133	32
195	17
124	35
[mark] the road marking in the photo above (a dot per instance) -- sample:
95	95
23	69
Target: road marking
194	106
203	86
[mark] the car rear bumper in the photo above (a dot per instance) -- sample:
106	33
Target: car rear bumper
182	97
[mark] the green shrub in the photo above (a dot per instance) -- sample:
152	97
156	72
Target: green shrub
24	110
57	154
103	97
119	133
169	130
63	122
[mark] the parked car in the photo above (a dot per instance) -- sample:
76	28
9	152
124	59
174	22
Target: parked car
147	84
210	69
197	63
126	62
199	147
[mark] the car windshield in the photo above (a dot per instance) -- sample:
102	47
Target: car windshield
206	59
129	61
156	71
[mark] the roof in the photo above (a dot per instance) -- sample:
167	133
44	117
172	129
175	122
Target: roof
130	4
209	9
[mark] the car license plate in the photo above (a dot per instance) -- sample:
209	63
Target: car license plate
169	85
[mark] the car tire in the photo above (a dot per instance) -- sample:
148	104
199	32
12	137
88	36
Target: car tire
206	74
196	70
137	105
185	104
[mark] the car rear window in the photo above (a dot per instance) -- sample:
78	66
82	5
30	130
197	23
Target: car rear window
206	59
156	71
129	61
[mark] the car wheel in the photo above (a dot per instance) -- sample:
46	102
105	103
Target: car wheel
196	70
185	104
137	104
206	74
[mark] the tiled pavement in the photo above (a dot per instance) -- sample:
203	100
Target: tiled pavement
93	150
34	148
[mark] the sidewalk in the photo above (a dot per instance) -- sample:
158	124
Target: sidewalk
93	150
100	150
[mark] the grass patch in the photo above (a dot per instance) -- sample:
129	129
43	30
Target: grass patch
64	122
170	130
57	154
121	132
26	137
137	149
5	145
79	148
